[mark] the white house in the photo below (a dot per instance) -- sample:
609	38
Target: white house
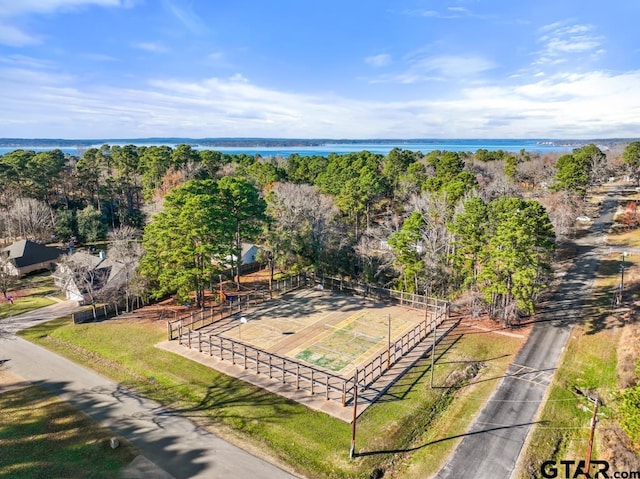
249	254
83	276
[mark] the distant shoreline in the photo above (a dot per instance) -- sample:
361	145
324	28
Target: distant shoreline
289	142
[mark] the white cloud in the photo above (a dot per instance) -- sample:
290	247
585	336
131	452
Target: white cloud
24	61
186	16
10	8
452	13
439	68
590	105
377	61
216	56
455	66
15	37
154	47
561	40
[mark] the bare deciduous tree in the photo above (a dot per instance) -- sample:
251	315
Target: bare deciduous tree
375	254
538	171
78	272
563	209
30	219
302	231
125	248
7	279
435	238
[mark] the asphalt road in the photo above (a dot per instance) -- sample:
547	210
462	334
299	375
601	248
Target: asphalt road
173	443
492	445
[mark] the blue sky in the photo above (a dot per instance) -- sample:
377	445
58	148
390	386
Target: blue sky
319	69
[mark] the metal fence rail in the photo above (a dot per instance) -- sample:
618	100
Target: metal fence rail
285	370
233	305
373	370
303	376
411	300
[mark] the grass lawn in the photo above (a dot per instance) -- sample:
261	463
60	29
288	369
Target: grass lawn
629	238
409	435
29	293
43	437
590	364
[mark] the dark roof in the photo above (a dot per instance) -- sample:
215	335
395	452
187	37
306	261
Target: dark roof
26	252
100	271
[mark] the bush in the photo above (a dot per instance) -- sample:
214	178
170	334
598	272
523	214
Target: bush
630	412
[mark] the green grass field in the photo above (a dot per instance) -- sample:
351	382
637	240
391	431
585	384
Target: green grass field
43	437
311	443
30	292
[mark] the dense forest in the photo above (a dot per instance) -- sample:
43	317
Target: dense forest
479	227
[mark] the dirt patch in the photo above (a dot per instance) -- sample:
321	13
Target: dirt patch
617	449
484	324
628	355
10	381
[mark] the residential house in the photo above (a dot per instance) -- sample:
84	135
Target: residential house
248	254
83	277
26	256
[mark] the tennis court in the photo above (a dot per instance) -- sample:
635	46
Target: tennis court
323	328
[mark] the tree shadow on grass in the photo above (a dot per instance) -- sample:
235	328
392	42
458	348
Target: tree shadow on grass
220	400
146	431
406	382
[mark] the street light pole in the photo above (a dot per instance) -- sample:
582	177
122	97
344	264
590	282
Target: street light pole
352	451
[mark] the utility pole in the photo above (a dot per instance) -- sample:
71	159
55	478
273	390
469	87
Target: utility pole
594	420
352	451
623	255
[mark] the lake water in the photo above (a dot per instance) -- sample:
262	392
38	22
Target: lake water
425	146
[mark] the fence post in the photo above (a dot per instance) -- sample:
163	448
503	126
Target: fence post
297	376
245	357
344	393
270	377
257	362
233	353
327	387
284	371
189	342
221	353
312	382
199	341
210	346
169	335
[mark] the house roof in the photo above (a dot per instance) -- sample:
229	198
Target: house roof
104	271
246	247
26	253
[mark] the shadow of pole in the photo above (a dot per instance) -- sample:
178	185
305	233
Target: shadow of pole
444	439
